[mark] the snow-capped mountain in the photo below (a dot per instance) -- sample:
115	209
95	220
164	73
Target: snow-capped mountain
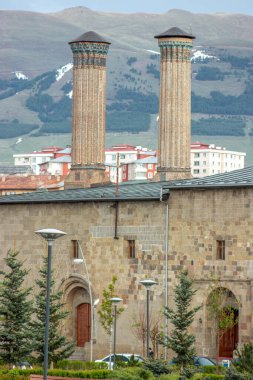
200	55
61	71
20	75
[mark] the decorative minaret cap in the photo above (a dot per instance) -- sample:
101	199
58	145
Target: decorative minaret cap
90	37
175	32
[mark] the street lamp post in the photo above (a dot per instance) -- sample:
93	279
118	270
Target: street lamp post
115	301
49	234
148	284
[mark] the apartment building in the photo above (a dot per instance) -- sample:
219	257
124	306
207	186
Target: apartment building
210	159
52	160
34	159
128	162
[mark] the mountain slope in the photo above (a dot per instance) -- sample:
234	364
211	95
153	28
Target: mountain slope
35	45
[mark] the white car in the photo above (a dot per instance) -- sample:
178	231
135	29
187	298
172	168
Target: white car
119	358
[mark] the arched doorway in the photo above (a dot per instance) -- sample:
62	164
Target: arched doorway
77	299
83	324
228	338
222	322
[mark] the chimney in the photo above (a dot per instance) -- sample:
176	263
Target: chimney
175	105
88	111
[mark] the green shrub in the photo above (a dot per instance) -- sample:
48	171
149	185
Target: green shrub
233	374
188	372
217	369
14	377
212	376
88	374
157	367
134	373
245	358
176	376
77	365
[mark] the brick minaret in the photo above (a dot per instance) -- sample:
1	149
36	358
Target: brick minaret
88	111
175	104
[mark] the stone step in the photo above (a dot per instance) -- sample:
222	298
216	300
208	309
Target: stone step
79	354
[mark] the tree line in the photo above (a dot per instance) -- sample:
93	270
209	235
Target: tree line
14	129
22	319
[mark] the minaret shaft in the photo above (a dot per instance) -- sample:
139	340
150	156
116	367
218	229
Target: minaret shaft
88	111
174	107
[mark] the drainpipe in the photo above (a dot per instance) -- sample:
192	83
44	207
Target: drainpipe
116	206
166	271
166	246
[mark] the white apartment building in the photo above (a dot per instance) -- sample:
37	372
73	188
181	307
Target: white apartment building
142	169
36	158
128	159
210	159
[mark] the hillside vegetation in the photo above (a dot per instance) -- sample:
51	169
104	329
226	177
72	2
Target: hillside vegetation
35	100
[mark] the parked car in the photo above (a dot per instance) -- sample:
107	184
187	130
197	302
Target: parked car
22	365
203	361
120	358
200	361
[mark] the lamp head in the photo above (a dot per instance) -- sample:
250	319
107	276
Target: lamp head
96	302
115	300
148	283
50	234
78	261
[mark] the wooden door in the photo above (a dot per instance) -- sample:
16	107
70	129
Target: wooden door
228	340
83	324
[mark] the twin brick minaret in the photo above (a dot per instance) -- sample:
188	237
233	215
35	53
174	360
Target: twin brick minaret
175	105
89	107
88	111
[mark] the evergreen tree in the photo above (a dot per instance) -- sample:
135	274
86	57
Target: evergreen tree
180	341
15	312
58	346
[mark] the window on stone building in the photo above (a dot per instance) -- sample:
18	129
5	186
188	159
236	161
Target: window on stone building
220	249
131	249
75	249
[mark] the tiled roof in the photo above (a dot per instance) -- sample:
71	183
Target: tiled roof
136	190
66	150
127	191
235	178
30	182
60	159
147	160
90	37
19	169
175	32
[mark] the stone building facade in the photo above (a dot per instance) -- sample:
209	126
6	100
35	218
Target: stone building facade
199	217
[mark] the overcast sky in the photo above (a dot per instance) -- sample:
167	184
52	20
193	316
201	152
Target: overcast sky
131	6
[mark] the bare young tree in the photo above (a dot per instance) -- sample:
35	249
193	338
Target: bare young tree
139	328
